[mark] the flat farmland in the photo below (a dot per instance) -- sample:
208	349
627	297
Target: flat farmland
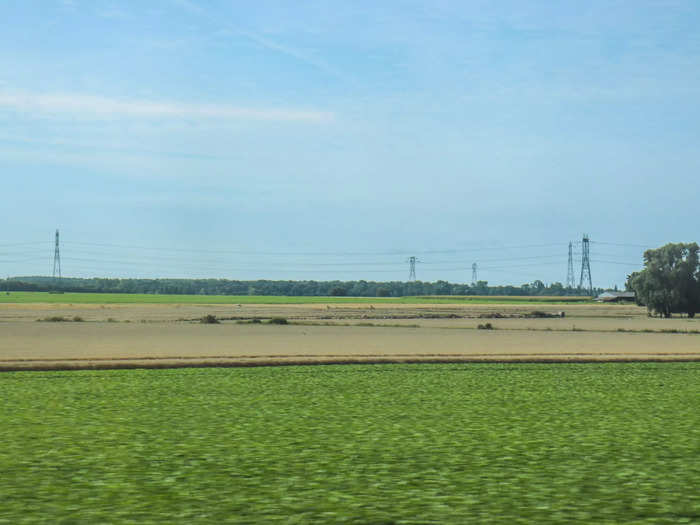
480	427
403	444
130	298
170	335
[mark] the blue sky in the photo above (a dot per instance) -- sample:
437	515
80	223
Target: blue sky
332	140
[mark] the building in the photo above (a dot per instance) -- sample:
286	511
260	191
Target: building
616	297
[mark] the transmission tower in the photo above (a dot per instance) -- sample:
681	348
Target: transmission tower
412	268
474	279
570	279
56	259
586	265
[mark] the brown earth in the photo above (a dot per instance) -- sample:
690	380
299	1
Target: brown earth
178	312
114	336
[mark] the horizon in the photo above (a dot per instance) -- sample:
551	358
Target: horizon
393	263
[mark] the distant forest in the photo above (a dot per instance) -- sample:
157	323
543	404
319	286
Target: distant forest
284	288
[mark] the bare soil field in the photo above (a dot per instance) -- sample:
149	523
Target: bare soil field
112	336
180	312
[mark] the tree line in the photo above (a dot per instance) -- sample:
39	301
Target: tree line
284	288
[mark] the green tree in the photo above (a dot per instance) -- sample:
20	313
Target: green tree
670	280
383	292
538	287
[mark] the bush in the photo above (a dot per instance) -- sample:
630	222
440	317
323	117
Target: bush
278	320
487	326
61	319
209	319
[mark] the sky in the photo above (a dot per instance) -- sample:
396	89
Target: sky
333	140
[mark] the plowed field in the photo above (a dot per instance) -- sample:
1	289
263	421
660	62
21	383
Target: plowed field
170	335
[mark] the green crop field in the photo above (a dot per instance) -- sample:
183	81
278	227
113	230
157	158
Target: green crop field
585	443
116	298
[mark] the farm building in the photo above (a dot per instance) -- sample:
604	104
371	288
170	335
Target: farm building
616	297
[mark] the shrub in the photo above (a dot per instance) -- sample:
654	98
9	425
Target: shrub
209	319
78	319
278	320
487	326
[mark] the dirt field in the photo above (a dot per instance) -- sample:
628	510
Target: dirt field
171	335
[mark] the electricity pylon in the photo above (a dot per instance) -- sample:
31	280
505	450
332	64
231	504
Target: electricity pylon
412	268
474	279
57	259
586	265
570	279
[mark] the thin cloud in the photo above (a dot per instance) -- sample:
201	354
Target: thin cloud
265	42
189	6
292	52
92	106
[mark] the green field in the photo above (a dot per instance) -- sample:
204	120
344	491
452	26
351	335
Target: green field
115	298
586	443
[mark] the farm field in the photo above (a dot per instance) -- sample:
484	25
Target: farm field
171	335
425	443
116	298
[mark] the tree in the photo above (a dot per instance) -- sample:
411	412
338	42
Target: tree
538	287
383	292
670	280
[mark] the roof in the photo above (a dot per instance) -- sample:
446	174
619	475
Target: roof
614	296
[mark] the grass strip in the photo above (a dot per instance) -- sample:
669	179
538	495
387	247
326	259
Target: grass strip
115	298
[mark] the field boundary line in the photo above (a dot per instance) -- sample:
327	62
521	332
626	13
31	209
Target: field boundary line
320	360
338	356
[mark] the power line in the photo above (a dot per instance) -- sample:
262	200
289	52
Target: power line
223	262
176	257
35	253
98	256
622	244
14	261
107	257
25	243
311	254
223	266
500	259
638	265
